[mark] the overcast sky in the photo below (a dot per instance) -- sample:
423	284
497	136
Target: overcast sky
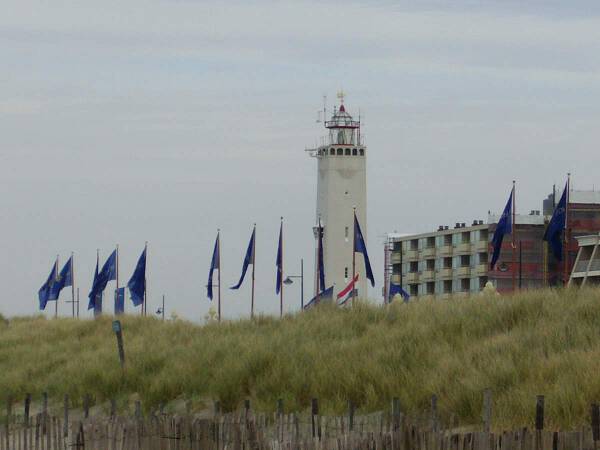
161	121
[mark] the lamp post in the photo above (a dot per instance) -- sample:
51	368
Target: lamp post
290	279
161	311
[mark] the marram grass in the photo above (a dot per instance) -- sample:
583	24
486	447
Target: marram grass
538	342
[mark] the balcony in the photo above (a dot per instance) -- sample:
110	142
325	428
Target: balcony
427	275
429	251
481	270
481	246
396	257
446	250
463	271
411	254
463	248
445	273
411	277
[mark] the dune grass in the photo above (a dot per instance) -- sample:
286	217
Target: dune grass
539	342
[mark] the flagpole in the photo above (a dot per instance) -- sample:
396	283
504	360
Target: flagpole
73	282
514	240
253	267
55	278
281	275
145	304
566	232
96	299
219	275
353	255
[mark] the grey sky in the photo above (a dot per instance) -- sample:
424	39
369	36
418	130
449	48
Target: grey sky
163	121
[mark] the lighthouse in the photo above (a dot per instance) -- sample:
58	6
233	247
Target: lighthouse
341	189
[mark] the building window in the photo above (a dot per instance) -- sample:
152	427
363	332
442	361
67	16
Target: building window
345	272
414	266
414	244
340	151
483	258
483	235
362	152
346	233
347	152
448	262
430	264
397	246
414	290
466	237
465	260
465	285
354	152
397	269
430	287
431	242
447	239
332	151
447	286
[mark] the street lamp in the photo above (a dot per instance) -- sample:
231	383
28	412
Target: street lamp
161	310
290	279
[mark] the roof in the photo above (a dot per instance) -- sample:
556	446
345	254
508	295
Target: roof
589	197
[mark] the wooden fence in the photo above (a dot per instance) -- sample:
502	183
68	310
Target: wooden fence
247	429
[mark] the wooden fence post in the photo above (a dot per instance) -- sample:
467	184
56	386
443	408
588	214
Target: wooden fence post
434	414
8	418
86	406
396	413
595	413
113	407
487	410
350	415
539	422
539	413
138	409
26	420
66	417
314	412
280	419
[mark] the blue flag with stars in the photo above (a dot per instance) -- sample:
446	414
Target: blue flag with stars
361	247
248	259
46	292
503	228
557	225
215	263
137	282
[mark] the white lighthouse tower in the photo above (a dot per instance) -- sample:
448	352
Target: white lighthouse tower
341	186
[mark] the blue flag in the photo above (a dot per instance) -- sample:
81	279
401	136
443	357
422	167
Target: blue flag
503	228
215	264
46	292
397	289
248	259
65	278
97	297
101	279
557	225
325	295
361	247
137	282
119	301
321	260
279	261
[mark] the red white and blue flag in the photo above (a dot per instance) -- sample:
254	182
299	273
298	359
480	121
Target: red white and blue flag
347	291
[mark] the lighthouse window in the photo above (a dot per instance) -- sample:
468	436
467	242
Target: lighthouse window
362	152
340	151
345	272
347	152
354	152
332	151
